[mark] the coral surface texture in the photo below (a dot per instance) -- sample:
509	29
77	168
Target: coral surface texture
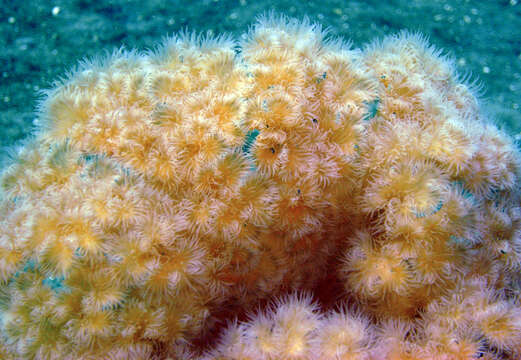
279	197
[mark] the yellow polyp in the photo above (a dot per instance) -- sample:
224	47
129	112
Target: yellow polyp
68	111
295	346
60	255
90	242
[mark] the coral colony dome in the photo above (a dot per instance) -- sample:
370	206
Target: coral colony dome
282	197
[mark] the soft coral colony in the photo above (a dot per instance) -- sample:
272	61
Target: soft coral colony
168	192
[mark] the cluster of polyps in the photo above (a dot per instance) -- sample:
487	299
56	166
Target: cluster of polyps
170	190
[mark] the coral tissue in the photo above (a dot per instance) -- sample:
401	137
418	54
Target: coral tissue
338	203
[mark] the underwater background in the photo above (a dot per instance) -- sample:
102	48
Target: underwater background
42	40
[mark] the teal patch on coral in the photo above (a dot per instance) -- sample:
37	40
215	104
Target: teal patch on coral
55	283
372	109
321	77
249	141
421	214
